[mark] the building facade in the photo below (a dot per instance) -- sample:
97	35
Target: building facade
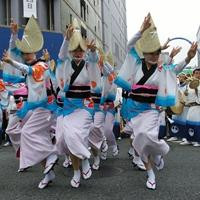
115	29
102	20
88	12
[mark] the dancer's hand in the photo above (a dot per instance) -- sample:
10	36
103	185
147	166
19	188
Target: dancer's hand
146	23
166	45
6	57
52	64
92	46
175	51
192	52
46	55
13	27
69	32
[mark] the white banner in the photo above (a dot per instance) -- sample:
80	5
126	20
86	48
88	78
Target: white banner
30	8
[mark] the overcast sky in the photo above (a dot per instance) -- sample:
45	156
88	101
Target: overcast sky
173	18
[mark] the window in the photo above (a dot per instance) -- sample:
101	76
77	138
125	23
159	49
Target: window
94	2
5	12
46	17
83	9
22	20
95	28
50	14
70	18
83	32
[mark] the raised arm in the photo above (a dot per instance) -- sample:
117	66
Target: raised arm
145	25
22	67
64	53
14	35
190	55
94	71
132	42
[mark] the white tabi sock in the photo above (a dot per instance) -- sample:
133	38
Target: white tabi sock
96	160
136	159
51	174
77	175
131	151
115	150
48	177
151	175
157	159
85	165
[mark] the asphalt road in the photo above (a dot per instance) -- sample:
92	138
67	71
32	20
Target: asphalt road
117	179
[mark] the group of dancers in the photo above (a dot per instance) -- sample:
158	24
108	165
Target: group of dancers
67	107
184	127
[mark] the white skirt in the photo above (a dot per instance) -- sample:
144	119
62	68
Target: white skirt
36	142
96	136
14	128
146	129
60	142
108	129
76	127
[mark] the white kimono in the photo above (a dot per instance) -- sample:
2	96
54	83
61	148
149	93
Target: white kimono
158	90
77	112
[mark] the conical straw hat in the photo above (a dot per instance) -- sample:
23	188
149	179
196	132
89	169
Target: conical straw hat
149	42
32	40
76	39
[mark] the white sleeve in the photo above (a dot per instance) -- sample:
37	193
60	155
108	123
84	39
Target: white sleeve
133	40
22	67
180	66
12	41
64	53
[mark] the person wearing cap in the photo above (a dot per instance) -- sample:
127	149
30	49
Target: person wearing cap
151	82
35	143
73	73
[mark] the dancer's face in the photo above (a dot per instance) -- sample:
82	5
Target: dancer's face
29	57
78	54
152	58
197	74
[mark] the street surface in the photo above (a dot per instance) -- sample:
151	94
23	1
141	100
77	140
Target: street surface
116	180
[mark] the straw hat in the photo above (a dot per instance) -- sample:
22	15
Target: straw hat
32	40
76	39
149	42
